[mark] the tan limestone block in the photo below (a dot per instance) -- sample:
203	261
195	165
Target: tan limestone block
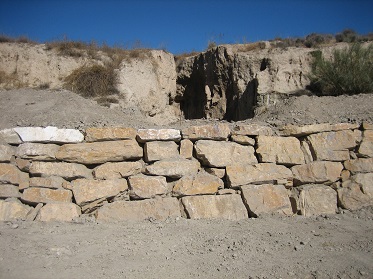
36	195
37	151
100	152
252	130
297	131
107	134
88	190
60	212
366	146
146	187
215	171
221	154
280	150
144	135
219	131
228	207
6	153
159	209
11	174
198	184
159	150
266	198
13	210
186	149
317	172
9	191
359	165
68	171
238	175
174	168
51	182
117	170
244	140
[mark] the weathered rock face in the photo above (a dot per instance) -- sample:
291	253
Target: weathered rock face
117	170
238	175
317	172
226	82
174	168
201	183
100	152
292	130
266	198
280	150
13	210
88	190
60	212
222	154
68	171
159	209
334	146
350	196
146	187
149	83
186	149
228	207
314	199
158	150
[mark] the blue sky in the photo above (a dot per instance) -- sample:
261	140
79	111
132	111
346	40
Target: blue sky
181	25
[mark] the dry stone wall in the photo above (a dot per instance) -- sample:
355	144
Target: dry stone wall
210	171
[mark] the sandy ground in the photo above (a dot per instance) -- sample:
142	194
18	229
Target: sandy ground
338	246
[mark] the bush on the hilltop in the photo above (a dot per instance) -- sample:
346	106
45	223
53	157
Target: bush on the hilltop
92	81
350	71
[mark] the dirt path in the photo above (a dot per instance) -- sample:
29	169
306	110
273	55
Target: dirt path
338	246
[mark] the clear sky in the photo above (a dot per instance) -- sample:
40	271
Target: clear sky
181	25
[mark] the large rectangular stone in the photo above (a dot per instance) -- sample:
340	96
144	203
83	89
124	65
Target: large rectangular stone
115	133
11	174
334	146
37	195
60	212
49	134
222	153
359	165
144	135
266	198
317	172
238	175
6	153
117	170
88	190
11	210
159	209
280	150
9	191
315	199
37	151
298	131
366	146
158	150
252	130
146	186
100	152
199	184
51	182
228	207
68	171
174	168
218	131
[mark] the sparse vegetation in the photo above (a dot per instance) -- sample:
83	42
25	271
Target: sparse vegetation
9	81
20	39
350	71
92	81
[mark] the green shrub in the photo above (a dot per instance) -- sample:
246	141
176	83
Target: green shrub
350	71
92	81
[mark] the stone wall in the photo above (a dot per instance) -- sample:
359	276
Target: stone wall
211	171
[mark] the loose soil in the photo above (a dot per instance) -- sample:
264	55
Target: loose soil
337	246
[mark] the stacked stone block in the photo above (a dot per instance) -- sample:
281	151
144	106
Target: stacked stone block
207	171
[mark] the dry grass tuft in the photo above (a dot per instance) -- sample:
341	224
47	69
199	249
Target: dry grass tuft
92	81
